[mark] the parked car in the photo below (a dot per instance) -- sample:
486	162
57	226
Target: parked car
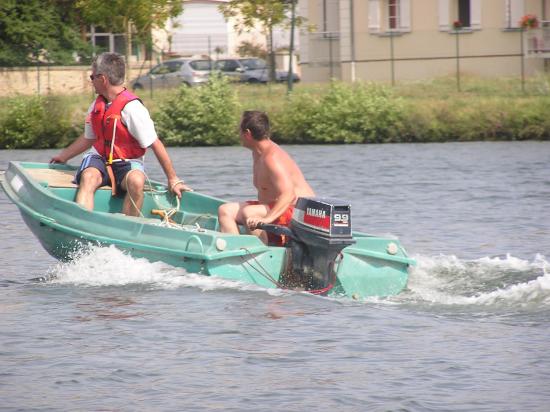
172	73
250	70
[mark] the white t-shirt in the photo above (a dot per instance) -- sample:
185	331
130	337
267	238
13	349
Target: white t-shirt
136	118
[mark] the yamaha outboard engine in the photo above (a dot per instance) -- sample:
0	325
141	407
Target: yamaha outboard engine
318	231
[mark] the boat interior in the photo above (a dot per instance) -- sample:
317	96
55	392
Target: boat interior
194	208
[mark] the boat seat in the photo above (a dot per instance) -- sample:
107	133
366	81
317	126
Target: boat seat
56	178
63	178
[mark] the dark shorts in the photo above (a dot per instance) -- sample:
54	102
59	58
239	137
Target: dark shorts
120	169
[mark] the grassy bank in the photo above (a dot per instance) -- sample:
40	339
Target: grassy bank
434	111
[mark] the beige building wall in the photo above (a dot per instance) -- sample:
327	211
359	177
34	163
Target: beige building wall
423	46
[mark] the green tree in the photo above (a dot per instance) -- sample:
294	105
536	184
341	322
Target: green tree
251	49
38	30
123	15
265	14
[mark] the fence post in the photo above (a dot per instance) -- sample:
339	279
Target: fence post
457	61
392	59
37	77
522	60
330	56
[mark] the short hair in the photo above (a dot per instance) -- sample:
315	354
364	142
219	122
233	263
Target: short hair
257	122
112	66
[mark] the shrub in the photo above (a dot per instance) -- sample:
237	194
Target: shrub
357	113
202	116
35	122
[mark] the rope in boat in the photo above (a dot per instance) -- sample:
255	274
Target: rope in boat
265	273
168	213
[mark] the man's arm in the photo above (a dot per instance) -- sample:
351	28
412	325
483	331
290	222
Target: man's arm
75	148
175	184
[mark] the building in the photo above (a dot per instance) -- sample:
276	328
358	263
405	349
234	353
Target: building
202	30
393	40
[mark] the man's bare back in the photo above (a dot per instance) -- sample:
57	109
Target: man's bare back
276	176
263	175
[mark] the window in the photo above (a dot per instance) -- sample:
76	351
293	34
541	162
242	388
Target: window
468	12
200	64
253	64
330	16
514	10
393	14
464	12
227	65
389	15
102	40
160	69
173	66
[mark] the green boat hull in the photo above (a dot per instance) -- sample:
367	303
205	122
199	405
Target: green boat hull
373	266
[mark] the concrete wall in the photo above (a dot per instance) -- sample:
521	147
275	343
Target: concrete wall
57	79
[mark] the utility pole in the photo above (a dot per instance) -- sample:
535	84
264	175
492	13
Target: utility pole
290	79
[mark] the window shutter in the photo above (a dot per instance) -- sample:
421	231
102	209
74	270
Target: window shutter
405	15
374	16
475	14
444	15
345	30
517	10
332	17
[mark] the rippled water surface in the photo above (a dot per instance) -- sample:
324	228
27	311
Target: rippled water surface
471	332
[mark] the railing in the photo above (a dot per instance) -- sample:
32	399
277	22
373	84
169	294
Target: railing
537	41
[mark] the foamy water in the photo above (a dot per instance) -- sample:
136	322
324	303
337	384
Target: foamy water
486	281
446	280
93	267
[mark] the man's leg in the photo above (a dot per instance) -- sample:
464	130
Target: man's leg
230	215
133	184
90	176
90	180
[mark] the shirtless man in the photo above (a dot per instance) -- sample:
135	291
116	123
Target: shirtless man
276	176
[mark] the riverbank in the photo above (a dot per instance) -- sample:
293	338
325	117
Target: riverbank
430	111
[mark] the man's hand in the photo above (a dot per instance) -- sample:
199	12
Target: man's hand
253	222
58	159
177	186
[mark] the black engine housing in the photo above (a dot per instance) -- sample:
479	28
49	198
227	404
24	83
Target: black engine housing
319	230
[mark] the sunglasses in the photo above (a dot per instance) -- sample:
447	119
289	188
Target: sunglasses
94	76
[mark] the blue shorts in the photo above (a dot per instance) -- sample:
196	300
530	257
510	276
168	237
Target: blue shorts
120	169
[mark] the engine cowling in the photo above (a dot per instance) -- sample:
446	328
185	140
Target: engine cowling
319	230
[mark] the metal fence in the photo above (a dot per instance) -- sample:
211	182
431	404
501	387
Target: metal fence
394	56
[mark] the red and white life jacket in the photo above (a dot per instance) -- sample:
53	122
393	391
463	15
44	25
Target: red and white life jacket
102	120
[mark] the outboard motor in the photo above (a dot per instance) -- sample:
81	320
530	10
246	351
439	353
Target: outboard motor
318	231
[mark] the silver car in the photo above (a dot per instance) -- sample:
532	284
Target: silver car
172	73
250	70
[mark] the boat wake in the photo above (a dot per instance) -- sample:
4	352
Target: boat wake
488	281
441	280
109	266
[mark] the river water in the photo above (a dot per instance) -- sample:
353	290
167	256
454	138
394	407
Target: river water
471	332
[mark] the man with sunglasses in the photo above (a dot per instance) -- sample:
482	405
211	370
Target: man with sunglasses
117	132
